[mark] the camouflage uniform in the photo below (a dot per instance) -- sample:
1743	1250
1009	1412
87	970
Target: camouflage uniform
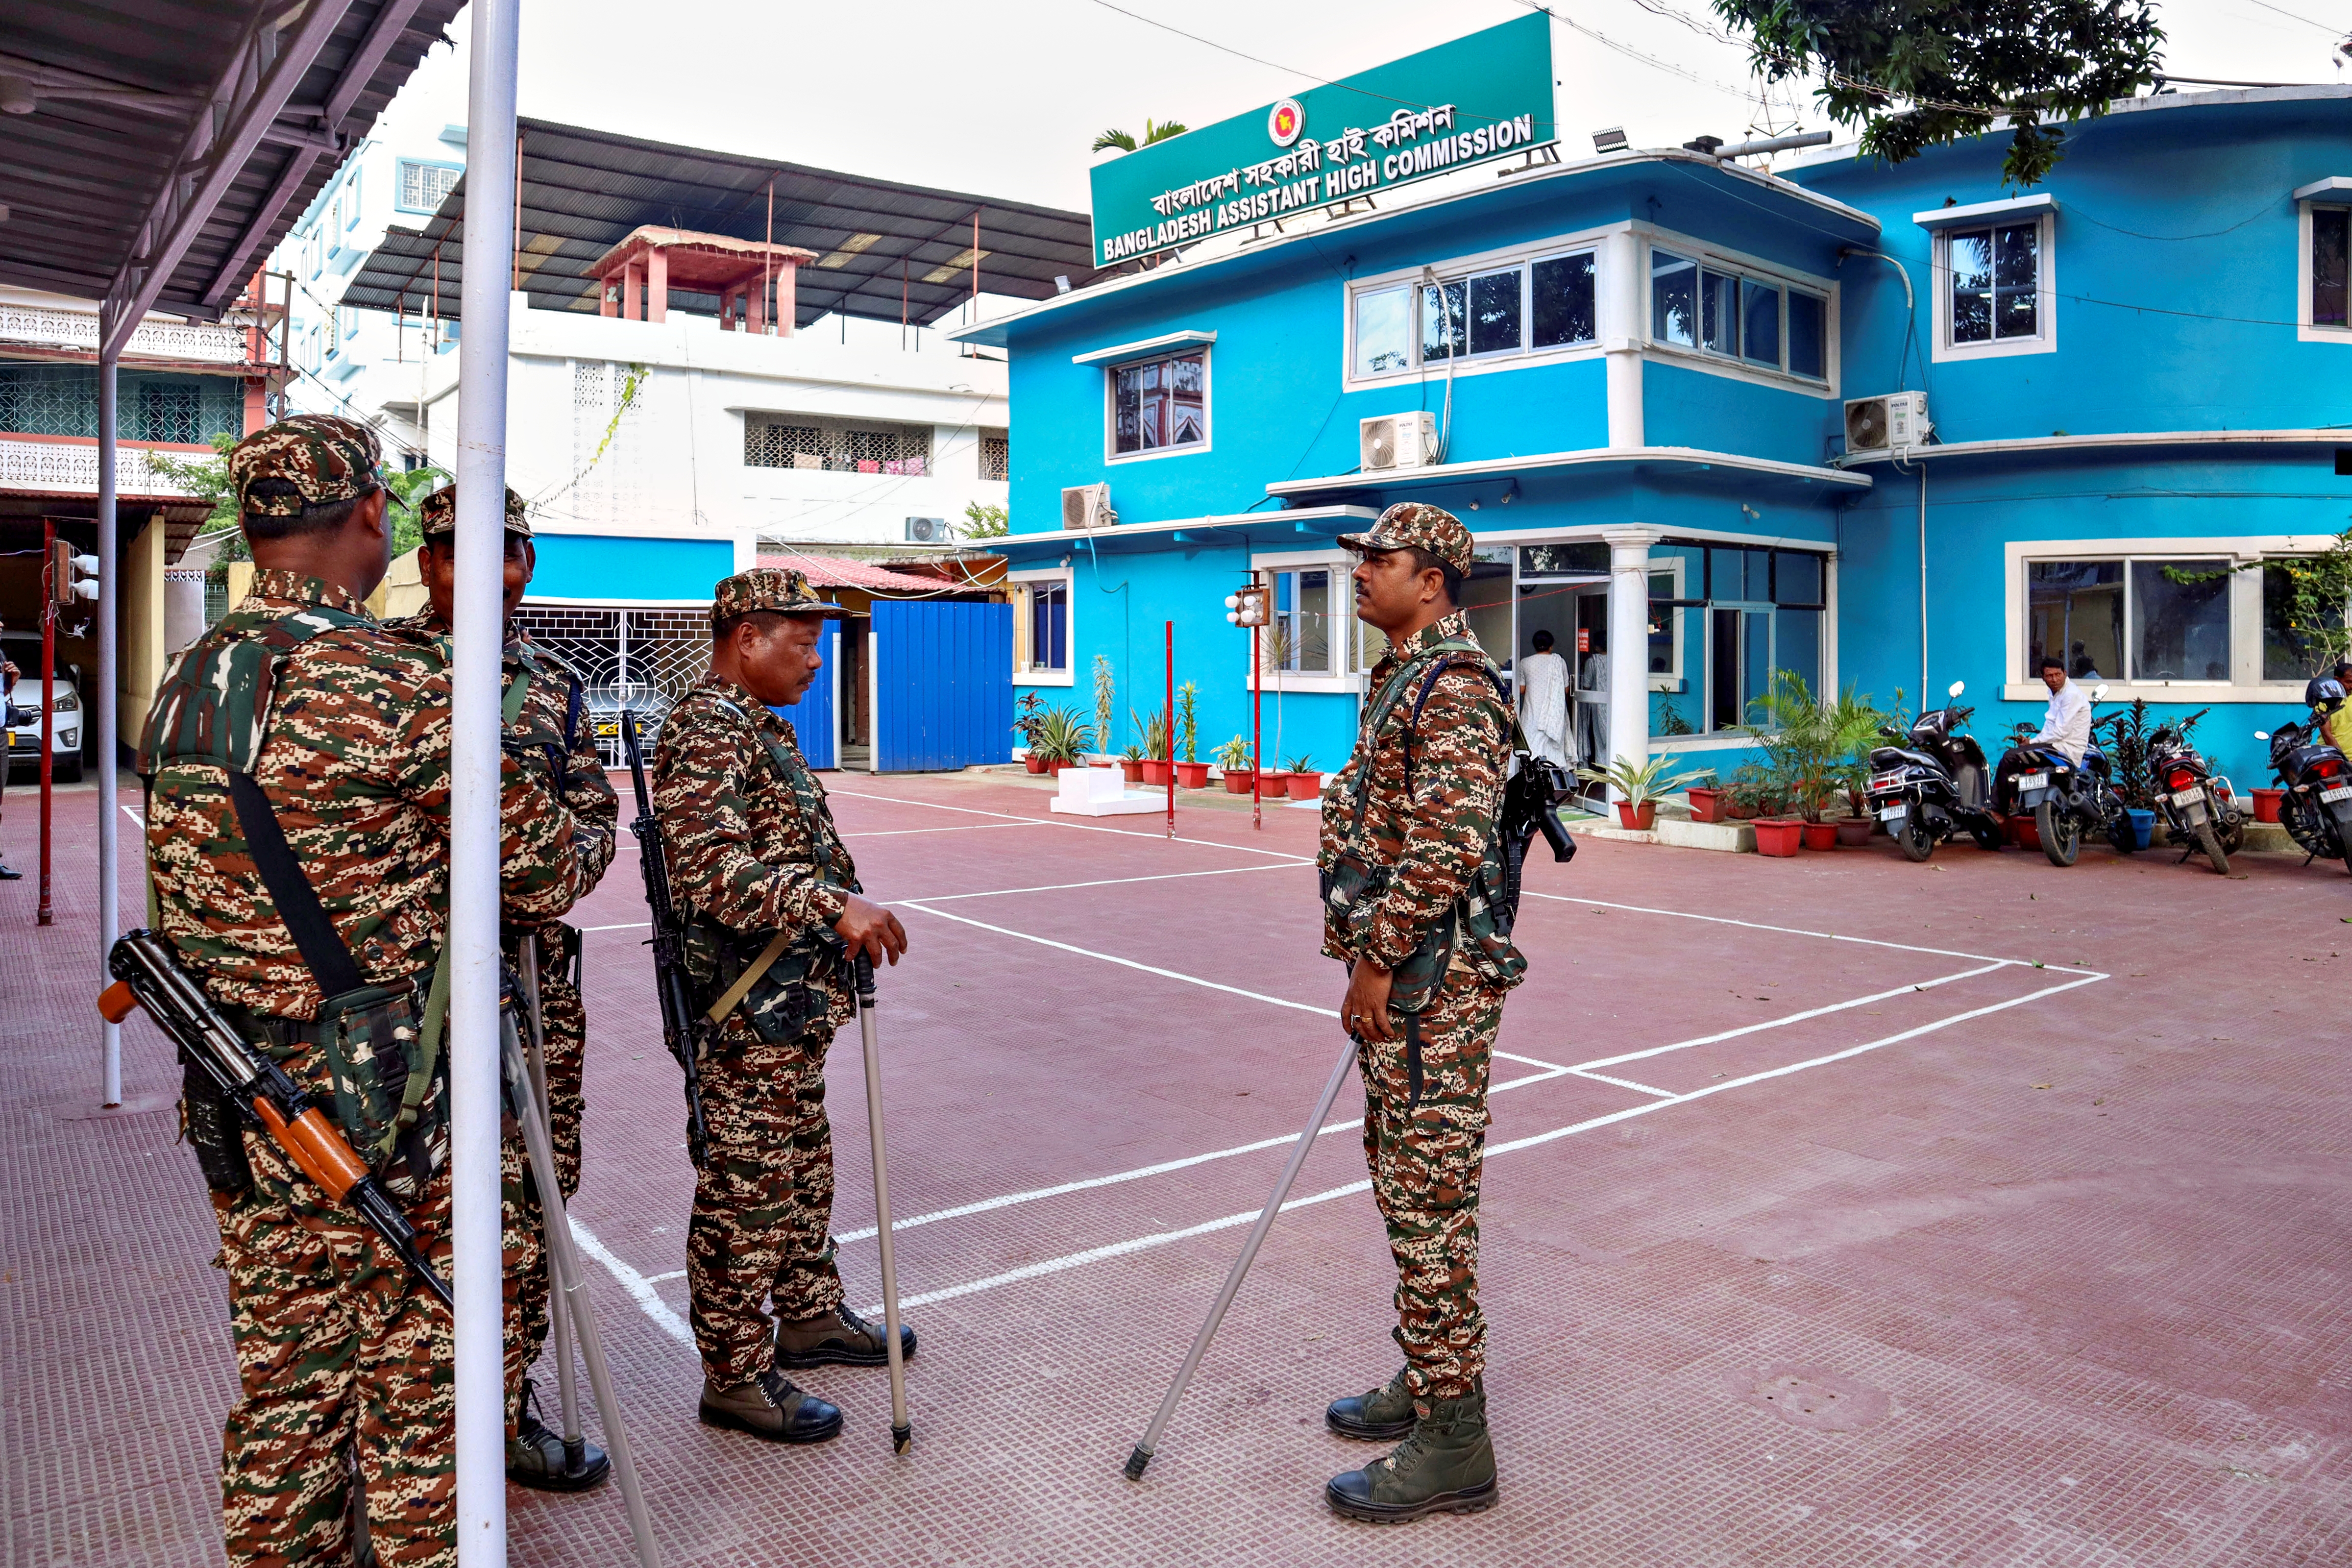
341	1357
549	737
1425	1090
753	851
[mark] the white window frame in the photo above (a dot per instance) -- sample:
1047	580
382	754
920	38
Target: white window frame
1344	625
1022	582
2335	193
1207	351
1716	259
1459	268
351	196
2245	683
1946	222
400	171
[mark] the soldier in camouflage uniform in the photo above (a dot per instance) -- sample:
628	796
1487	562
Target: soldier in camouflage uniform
1406	828
545	733
343	1360
767	891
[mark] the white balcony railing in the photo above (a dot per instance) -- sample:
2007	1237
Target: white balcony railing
207	342
71	467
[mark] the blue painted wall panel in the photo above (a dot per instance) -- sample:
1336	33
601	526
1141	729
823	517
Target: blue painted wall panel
612	566
943	685
812	717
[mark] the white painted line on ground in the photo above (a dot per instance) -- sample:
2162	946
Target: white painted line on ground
1796	1017
1104	882
1079	826
635	1284
1165	1238
625	925
681	1273
132	813
1530	1061
1795	931
959	827
1623	1083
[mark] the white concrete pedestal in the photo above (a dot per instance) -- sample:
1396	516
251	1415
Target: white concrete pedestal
1102	792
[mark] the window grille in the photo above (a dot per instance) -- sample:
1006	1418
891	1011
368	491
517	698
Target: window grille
996	456
642	660
422	185
156	405
782	441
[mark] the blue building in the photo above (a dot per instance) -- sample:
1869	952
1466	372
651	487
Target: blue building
1650	382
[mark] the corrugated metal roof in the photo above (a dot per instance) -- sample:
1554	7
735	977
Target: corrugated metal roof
583	191
79	174
838	572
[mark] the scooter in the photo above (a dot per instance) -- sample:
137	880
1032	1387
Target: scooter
2194	803
2316	807
1936	786
2064	799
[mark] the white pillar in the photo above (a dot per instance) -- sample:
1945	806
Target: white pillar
473	952
1629	643
1620	297
109	719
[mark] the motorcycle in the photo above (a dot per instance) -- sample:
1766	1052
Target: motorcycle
2064	799
1936	786
2316	807
2194	804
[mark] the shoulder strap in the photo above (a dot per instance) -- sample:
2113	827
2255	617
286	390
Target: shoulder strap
795	779
321	946
1437	657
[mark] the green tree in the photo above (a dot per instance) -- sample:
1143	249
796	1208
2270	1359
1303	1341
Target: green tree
1916	74
206	478
1153	130
984	522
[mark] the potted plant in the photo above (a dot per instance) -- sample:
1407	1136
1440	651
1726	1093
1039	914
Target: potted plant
1306	784
1802	755
1747	794
1856	724
1641	785
1191	772
1031	715
1155	747
1232	758
1104	713
1779	835
1131	763
1707	802
1063	738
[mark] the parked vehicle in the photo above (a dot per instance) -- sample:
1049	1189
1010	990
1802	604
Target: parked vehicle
24	732
2065	800
1937	785
2315	808
2194	804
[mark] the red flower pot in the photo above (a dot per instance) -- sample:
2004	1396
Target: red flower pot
1306	786
1854	832
1191	776
1639	818
1273	784
1820	836
1775	836
1155	771
1036	765
2267	805
1706	804
1239	781
2023	834
1132	770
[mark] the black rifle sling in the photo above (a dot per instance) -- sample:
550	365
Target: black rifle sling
321	946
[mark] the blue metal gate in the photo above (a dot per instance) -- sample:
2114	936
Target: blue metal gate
812	716
943	685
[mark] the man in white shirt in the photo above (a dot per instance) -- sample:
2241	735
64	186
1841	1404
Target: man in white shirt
2066	725
1542	680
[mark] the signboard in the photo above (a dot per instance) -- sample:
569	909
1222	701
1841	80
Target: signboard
1476	99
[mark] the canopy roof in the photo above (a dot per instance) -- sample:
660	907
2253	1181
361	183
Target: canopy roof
585	190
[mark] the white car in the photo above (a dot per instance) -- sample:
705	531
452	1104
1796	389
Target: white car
24	739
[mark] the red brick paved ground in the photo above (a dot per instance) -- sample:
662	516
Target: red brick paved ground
2063	1281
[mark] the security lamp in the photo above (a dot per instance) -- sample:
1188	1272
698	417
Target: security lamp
1061	283
1612	140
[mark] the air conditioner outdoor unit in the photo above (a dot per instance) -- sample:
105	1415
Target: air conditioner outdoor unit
926	531
1398	440
1088	506
1893	423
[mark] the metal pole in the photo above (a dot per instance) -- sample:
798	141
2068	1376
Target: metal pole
901	1431
1923	587
1136	1460
1257	734
476	1262
47	914
1171	729
109	816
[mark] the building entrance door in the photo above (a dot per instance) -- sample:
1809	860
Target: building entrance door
1738	664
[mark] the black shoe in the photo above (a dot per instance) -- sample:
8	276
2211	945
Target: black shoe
770	1407
1446	1466
839	1338
1383	1415
9	875
541	1460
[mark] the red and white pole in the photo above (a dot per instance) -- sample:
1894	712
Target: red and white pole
48	912
1171	729
1258	733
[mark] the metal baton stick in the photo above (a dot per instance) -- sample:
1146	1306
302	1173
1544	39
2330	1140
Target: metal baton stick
574	1296
901	1432
559	1312
1298	1151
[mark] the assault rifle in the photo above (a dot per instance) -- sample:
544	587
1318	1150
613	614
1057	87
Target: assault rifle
147	974
1531	798
683	1028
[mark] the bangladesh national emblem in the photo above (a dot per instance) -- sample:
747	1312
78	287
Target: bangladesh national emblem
1284	121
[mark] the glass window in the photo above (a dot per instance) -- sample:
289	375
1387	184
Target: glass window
1049	626
1445	318
1718	312
1797	646
2289	652
1995	274
2331	241
2075	609
1564	311
422	185
1383	331
1740	575
1576	560
1299	637
1674	299
1661	623
1759	316
2181	629
1796	578
1160	404
1808	335
1494	312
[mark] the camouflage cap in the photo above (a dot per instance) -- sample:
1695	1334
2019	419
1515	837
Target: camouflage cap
438	513
325	459
768	588
1412	525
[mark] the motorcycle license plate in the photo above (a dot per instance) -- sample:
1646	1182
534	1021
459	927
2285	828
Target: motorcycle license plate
2341	791
2033	781
1898	810
2187	796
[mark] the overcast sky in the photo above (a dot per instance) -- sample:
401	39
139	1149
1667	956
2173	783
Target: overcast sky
1001	97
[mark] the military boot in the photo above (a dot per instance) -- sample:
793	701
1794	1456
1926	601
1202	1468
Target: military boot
1447	1466
838	1338
1381	1416
537	1458
770	1407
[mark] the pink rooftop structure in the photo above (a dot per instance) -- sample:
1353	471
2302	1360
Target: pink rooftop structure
638	273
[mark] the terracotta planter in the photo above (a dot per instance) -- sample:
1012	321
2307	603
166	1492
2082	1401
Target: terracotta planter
1191	776
1706	804
1777	836
2266	804
1639	818
1820	836
1273	784
1036	765
1239	781
1133	770
1306	786
1155	771
1854	832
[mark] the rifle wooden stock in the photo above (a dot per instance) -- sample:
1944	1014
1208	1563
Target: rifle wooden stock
317	1149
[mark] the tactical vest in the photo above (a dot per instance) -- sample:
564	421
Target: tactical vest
789	994
383	1057
1488	905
